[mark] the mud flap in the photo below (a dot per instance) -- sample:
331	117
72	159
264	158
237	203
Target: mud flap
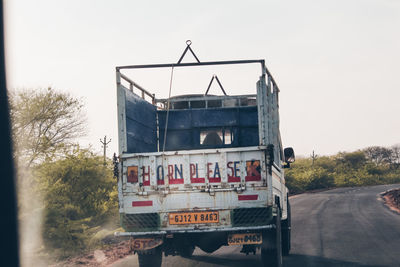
142	244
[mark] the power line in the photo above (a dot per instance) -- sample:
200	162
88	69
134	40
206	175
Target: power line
105	143
314	157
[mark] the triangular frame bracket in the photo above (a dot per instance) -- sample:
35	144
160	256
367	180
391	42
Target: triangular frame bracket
188	43
215	77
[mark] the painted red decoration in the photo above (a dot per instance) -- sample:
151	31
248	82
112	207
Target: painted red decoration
142	203
175	181
253	178
197	180
232	179
247	197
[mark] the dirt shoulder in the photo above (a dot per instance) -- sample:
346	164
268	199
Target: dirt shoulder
100	257
392	199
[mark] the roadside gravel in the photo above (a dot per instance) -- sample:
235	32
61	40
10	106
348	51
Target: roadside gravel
392	199
100	257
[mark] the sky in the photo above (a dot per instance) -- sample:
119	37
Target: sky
337	63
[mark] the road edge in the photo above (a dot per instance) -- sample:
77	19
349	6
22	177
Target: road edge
389	201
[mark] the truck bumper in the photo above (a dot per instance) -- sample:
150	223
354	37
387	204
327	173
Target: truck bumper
189	231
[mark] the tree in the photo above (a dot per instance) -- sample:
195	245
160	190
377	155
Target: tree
326	162
320	178
353	160
379	155
44	122
396	156
79	195
44	125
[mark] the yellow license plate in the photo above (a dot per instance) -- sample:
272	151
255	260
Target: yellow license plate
194	217
245	239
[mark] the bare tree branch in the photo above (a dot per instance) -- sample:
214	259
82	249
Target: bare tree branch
44	122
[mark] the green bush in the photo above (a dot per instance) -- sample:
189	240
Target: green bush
356	168
302	177
79	194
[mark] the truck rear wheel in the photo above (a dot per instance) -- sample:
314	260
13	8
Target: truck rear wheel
286	225
271	249
151	258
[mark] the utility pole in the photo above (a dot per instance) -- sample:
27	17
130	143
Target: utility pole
314	157
105	143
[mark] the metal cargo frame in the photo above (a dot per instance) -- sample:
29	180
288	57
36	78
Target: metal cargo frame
267	106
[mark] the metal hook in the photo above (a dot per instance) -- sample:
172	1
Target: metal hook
219	83
188	43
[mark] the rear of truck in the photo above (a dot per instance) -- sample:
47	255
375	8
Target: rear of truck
200	170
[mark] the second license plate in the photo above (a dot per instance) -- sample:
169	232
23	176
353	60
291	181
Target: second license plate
245	239
194	217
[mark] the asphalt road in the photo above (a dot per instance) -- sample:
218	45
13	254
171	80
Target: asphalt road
340	227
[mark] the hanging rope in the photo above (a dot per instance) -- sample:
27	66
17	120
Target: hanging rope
168	106
166	122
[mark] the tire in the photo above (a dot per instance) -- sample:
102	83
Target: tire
272	256
152	258
187	251
286	238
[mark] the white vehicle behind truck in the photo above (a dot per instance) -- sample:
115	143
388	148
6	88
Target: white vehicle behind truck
202	170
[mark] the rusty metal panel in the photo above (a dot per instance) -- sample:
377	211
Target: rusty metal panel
177	171
121	119
263	109
202	180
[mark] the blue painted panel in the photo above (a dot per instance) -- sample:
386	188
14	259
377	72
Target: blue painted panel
177	140
248	116
178	119
235	131
140	132
184	126
248	136
248	127
141	126
215	117
137	146
140	110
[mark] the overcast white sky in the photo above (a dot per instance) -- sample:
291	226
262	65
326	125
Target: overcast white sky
337	62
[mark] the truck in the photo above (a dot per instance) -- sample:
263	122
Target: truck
201	170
